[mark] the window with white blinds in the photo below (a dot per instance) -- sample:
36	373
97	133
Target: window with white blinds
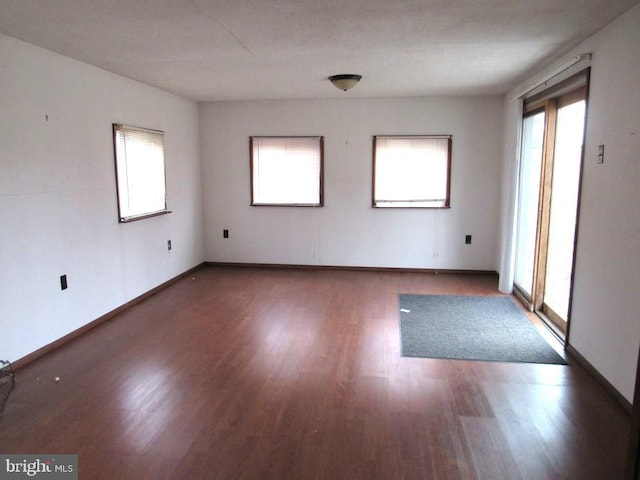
140	172
411	171
286	171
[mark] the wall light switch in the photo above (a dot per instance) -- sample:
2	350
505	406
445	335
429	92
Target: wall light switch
600	153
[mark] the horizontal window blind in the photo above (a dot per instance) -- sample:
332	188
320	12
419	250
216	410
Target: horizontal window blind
140	171
286	171
411	171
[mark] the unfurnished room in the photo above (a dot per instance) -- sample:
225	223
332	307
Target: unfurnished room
291	239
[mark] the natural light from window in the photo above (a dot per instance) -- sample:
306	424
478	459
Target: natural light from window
140	172
286	171
411	171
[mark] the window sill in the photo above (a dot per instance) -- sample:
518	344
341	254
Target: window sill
142	217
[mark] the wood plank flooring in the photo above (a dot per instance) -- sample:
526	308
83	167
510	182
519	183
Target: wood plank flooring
242	373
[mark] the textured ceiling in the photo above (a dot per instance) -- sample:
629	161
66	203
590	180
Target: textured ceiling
264	49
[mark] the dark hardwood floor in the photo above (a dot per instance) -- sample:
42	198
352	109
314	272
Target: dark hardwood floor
242	373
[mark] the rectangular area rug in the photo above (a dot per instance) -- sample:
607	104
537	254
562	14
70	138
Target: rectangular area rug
470	328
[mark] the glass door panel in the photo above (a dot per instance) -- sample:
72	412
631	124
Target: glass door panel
528	200
563	209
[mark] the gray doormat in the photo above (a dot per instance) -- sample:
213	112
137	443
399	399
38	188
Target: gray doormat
470	328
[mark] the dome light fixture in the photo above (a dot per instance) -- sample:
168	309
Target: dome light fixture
345	81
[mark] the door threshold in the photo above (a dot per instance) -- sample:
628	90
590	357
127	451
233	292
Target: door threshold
555	330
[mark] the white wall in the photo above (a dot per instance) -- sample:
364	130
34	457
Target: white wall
347	231
58	212
605	323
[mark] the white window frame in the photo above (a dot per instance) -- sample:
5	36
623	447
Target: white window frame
140	172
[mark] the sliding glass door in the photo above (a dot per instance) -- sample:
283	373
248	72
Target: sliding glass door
548	197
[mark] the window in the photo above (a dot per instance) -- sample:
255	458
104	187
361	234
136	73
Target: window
140	173
411	171
286	171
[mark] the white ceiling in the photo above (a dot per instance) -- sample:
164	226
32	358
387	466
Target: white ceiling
264	49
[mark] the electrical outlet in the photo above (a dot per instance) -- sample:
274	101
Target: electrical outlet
467	239
169	245
225	233
63	282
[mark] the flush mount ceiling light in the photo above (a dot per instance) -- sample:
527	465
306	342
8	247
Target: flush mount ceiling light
345	81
